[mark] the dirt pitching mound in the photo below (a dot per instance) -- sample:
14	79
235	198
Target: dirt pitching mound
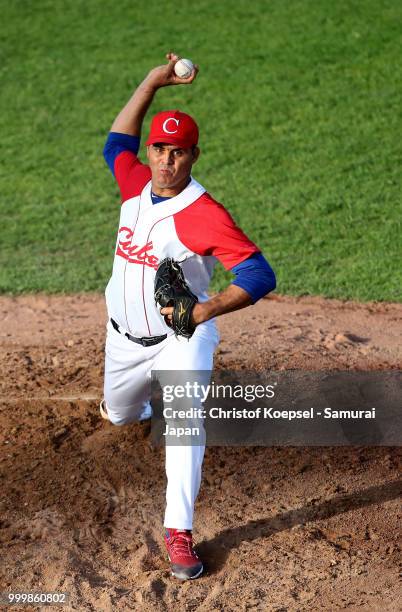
284	529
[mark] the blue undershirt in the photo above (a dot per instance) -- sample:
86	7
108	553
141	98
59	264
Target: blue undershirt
254	274
156	198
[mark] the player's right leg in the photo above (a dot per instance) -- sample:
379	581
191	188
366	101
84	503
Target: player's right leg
146	411
127	379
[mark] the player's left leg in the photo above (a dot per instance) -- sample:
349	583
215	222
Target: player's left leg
184	462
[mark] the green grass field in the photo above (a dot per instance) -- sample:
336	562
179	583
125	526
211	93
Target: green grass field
299	106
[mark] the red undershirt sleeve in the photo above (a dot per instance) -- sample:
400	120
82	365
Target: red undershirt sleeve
131	175
120	153
207	228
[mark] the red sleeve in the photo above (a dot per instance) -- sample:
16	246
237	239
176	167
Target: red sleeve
206	228
131	175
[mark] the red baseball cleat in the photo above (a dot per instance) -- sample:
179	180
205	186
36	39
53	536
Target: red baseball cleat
184	560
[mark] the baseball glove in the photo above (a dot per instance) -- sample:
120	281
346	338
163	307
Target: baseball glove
171	289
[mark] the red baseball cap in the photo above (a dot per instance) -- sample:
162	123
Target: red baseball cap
173	127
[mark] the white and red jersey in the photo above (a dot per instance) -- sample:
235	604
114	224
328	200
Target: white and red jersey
191	227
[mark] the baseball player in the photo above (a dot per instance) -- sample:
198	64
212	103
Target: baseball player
165	212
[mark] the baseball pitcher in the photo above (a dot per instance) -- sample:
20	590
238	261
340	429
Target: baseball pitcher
171	234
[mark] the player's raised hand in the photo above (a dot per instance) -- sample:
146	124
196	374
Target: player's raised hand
162	76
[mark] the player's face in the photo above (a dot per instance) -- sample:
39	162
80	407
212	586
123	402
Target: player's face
170	167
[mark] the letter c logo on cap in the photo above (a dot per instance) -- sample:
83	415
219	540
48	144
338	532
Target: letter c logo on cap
165	127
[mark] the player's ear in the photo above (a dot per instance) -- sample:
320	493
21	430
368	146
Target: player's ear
148	151
196	153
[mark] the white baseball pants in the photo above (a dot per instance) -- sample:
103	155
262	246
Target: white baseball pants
127	388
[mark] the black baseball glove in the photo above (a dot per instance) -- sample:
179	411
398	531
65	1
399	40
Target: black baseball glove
171	289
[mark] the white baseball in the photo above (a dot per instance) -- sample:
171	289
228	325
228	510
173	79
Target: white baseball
183	68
